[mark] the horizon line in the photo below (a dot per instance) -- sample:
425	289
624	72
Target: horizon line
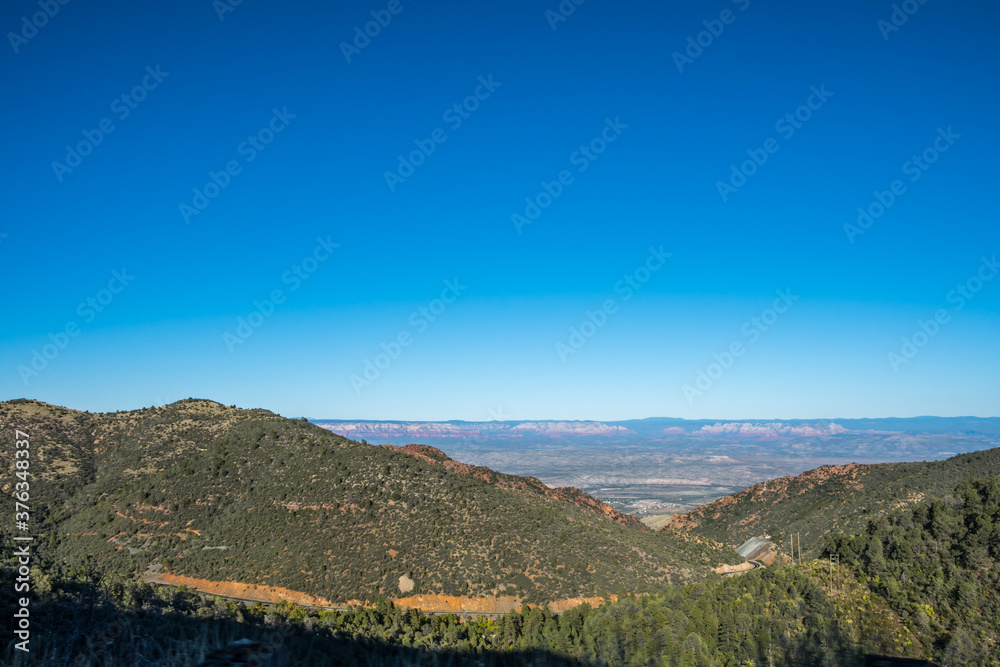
509	421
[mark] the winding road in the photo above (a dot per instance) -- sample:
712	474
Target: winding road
756	565
247	602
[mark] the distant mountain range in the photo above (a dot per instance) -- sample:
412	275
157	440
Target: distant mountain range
771	429
658	427
459	429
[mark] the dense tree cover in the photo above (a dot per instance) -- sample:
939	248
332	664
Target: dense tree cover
937	566
833	498
777	616
233	495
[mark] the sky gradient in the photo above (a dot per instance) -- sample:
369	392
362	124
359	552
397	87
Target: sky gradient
249	161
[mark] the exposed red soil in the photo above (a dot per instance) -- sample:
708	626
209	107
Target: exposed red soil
449	603
235	589
295	507
562	605
428	603
158	524
726	569
154	508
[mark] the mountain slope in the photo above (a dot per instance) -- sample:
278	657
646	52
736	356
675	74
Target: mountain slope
567	494
202	490
937	567
830	498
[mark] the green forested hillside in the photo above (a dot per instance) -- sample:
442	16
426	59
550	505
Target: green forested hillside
918	583
217	493
831	499
938	566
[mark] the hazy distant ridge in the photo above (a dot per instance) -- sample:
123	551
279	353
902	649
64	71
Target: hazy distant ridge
658	427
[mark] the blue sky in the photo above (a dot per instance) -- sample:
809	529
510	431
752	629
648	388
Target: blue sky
599	101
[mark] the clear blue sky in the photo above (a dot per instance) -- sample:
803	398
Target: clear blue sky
672	127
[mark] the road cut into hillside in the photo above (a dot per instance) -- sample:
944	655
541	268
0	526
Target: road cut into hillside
431	604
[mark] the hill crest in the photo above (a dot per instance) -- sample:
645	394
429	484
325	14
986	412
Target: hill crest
831	498
224	494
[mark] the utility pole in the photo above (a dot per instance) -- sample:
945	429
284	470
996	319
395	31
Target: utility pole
800	547
834	560
791	548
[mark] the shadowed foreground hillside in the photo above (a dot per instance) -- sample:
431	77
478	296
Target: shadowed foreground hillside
779	616
202	490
